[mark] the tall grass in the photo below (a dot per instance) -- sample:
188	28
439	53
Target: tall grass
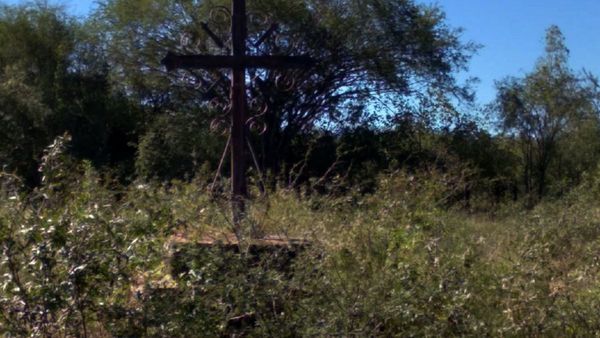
83	256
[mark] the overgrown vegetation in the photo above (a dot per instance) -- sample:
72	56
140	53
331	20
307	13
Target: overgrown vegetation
408	216
85	256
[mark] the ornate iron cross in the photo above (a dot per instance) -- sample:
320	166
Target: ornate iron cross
238	62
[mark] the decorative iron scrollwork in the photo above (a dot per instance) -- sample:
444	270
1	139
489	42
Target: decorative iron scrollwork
285	81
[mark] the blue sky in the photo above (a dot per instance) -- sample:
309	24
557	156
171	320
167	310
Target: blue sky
511	32
75	7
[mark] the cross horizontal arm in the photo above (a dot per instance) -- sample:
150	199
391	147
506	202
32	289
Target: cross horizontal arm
173	61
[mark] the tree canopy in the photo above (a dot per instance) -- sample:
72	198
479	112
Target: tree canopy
367	52
382	96
548	105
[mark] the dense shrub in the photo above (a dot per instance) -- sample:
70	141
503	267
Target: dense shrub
83	256
177	146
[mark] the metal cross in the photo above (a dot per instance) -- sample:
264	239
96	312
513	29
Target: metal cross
238	62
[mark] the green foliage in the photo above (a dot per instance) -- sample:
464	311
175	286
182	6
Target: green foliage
81	254
393	246
50	84
178	146
364	50
34	47
547	107
69	251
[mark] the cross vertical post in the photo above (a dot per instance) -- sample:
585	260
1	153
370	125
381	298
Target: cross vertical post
238	112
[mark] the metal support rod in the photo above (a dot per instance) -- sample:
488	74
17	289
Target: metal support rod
218	173
261	177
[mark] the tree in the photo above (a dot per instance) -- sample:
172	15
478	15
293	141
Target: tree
34	47
180	140
543	107
53	80
367	51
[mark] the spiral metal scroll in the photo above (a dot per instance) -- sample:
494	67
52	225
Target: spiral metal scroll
259	106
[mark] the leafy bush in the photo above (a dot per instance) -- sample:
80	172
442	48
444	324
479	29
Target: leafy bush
84	256
71	248
177	146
